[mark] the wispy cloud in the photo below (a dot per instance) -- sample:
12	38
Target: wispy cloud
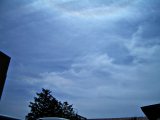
87	9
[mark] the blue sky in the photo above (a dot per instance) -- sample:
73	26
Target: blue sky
102	56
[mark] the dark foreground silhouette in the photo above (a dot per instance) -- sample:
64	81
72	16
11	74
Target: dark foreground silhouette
4	63
45	105
152	111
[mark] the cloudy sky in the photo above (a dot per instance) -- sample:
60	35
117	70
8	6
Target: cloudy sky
102	56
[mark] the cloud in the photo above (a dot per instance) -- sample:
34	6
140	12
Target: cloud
99	55
98	78
93	9
145	43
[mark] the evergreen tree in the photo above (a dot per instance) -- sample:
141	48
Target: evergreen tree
45	105
67	110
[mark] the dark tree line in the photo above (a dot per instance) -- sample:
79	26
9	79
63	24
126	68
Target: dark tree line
45	105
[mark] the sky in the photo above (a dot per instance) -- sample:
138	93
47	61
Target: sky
102	56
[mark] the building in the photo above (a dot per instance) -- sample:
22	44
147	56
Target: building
4	63
152	111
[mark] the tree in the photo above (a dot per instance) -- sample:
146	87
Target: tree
67	111
45	105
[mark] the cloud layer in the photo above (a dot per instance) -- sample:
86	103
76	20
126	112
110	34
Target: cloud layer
101	56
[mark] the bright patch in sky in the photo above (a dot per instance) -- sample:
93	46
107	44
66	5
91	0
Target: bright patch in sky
87	8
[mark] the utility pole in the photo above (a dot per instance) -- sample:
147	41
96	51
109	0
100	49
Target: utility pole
4	63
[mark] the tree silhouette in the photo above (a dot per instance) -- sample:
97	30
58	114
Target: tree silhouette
67	110
45	105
